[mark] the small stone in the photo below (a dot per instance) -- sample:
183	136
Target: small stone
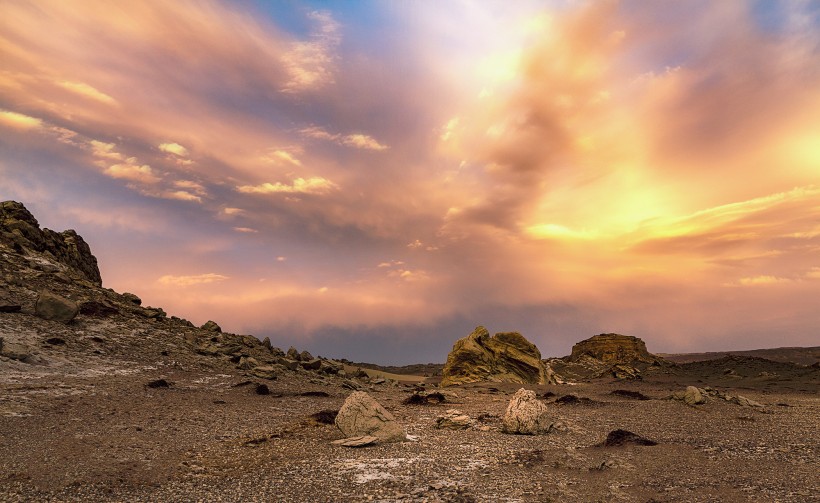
305	356
359	441
158	383
247	363
293	354
7	305
454	420
131	298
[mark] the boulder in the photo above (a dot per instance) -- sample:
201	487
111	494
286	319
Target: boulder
288	363
247	363
613	349
305	356
14	351
293	354
361	415
526	415
693	396
454	420
211	326
265	372
745	402
361	441
51	306
7	305
504	357
314	364
266	344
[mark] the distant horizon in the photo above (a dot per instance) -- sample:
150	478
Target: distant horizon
378	178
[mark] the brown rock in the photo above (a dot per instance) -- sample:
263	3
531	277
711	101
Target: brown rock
51	306
504	357
361	415
526	415
7	305
613	349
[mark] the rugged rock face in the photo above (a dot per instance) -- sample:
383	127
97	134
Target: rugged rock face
20	230
51	306
504	357
613	349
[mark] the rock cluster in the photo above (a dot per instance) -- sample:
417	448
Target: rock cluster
20	230
504	357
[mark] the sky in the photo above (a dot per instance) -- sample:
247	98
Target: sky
371	180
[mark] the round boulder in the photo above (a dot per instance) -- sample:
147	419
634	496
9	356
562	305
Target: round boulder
51	306
526	415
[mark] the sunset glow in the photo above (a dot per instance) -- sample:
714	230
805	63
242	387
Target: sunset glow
372	180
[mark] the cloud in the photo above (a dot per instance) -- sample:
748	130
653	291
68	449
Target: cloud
762	280
232	211
197	279
282	157
174	148
87	91
356	140
246	230
310	64
180	195
132	172
19	121
313	185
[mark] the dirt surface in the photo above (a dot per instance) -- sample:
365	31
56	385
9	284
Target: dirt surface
96	432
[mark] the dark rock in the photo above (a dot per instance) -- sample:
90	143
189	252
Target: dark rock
211	326
504	357
315	364
266	344
97	309
158	383
55	341
154	313
131	299
315	393
51	306
619	438
573	400
424	398
262	389
635	395
7	305
287	363
293	354
305	356
326	416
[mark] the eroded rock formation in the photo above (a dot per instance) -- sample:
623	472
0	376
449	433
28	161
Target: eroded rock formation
504	357
613	349
20	230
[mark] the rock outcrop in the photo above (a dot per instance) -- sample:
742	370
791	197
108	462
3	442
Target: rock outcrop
361	415
504	357
526	415
613	349
20	230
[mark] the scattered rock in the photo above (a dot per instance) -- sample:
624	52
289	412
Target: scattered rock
211	326
55	341
526	415
454	420
155	313
312	364
504	357
361	415
693	396
618	438
51	306
262	389
347	383
247	363
159	383
288	363
265	372
293	354
7	305
635	395
131	298
266	344
420	398
625	372
359	441
574	400
97	309
305	356
745	402
326	416
15	351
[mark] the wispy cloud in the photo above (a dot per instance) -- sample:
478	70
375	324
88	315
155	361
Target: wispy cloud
356	140
174	148
312	185
196	279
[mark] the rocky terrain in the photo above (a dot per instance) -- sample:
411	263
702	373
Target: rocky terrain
103	399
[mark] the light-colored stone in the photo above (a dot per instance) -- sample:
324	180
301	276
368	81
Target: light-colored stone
526	415
51	306
745	402
361	441
211	326
362	415
693	396
454	420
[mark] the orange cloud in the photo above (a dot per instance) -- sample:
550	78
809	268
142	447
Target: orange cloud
312	185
